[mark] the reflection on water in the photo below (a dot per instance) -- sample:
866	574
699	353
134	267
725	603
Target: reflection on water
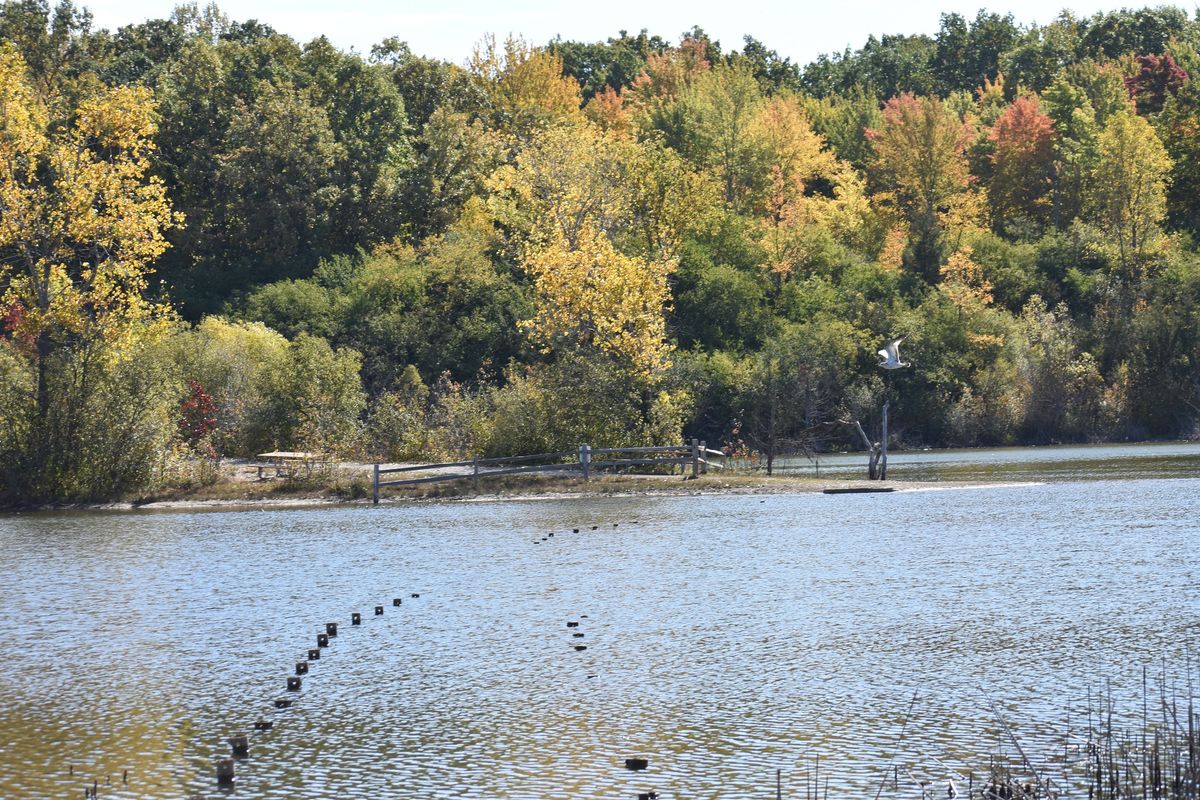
1057	463
726	637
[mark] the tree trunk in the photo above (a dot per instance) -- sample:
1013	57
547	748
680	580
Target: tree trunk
883	443
872	450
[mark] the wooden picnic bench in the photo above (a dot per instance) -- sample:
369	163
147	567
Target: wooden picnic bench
285	463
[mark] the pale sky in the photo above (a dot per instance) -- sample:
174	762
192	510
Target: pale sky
449	29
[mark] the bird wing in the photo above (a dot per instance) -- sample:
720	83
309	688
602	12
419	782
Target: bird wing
893	354
883	354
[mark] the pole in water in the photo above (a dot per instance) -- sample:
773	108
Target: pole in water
301	667
379	611
331	629
778	784
225	776
356	618
293	684
396	601
313	655
322	640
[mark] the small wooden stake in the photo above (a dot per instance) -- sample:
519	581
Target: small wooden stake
240	745
225	776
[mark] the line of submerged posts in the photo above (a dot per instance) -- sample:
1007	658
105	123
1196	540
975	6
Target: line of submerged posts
239	743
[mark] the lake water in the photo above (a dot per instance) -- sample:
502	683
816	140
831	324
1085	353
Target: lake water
727	637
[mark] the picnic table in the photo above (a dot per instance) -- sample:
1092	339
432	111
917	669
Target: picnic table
285	463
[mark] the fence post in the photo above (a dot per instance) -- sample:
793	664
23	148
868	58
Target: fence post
376	495
695	458
703	457
585	461
475	471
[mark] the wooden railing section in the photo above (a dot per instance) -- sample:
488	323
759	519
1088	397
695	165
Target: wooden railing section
583	461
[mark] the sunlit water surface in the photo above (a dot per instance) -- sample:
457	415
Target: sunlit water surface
727	637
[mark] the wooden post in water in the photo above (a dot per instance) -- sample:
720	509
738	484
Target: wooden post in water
883	442
376	494
695	458
703	457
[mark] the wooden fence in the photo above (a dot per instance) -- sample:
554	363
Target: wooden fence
581	461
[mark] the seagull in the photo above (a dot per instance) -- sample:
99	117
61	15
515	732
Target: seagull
891	355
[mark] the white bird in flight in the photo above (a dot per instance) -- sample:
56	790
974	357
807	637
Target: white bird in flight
891	355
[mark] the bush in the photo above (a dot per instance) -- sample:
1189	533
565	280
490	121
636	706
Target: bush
109	427
581	398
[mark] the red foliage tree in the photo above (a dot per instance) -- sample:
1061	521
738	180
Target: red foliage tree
1157	76
1022	162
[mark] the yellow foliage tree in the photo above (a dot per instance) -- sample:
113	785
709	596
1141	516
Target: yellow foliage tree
793	163
525	84
591	294
1129	187
597	222
81	218
642	196
963	280
965	285
920	169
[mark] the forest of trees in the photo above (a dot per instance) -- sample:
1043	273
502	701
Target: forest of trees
215	240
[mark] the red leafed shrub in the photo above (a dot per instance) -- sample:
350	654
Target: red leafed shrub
197	414
12	322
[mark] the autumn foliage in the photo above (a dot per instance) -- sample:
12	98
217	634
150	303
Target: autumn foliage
212	233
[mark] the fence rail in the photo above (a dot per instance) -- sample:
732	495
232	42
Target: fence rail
696	454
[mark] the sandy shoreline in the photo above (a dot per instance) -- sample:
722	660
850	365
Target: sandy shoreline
533	491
